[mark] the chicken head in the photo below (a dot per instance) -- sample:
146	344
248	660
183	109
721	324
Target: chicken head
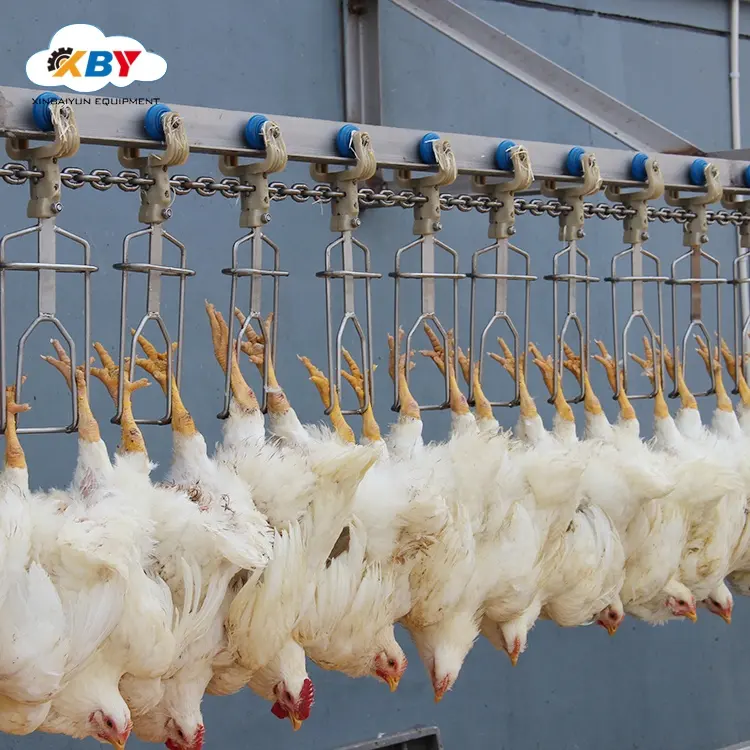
184	738
680	602
293	701
109	728
720	602
611	617
390	665
443	647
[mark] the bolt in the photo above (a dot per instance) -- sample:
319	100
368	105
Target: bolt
436	226
580	234
511	230
644	236
56	208
166	193
265	218
704	238
356	222
167	213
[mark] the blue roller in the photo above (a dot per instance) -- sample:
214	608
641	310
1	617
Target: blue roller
152	122
698	172
426	152
344	140
746	176
254	132
40	110
573	162
502	156
638	167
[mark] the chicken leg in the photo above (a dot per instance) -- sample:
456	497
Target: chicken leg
458	403
604	358
355	378
243	394
88	428
14	455
155	364
320	381
108	374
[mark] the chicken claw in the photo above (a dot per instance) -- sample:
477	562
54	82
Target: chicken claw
14	455
321	382
409	406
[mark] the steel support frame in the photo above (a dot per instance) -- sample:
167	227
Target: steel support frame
361	68
216	131
553	81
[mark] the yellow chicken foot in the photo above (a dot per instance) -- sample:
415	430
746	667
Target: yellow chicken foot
508	363
321	382
243	394
355	378
131	440
254	347
458	403
155	364
723	402
738	376
14	455
88	427
627	412
550	376
409	406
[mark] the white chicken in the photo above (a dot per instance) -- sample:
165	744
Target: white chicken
712	496
581	554
203	536
393	524
307	493
34	641
99	548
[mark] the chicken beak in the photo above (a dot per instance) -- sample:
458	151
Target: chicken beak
393	681
296	723
515	653
692	615
117	745
441	689
726	615
612	627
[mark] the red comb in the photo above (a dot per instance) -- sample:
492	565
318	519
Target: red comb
306	699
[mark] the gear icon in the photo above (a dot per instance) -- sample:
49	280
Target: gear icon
58	57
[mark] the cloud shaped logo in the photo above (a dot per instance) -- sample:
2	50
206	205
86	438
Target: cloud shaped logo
82	59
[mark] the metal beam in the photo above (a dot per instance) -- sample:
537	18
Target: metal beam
217	131
553	81
361	48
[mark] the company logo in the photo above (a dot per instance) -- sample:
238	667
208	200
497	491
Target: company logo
82	59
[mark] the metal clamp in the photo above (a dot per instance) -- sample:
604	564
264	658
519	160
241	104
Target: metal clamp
635	233
740	278
432	150
571	231
350	141
50	113
509	157
155	210
260	133
694	236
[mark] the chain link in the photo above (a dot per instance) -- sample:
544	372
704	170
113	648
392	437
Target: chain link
130	181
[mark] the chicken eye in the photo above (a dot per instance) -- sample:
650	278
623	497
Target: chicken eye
682	603
612	616
181	734
288	696
110	723
391	662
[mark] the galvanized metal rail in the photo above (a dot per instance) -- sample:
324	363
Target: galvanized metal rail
218	131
